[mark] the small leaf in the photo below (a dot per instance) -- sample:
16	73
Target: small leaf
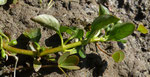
13	42
142	29
72	51
120	31
33	34
82	54
70	63
3	53
81	51
3	2
101	22
63	57
73	59
37	65
36	46
103	10
48	21
118	56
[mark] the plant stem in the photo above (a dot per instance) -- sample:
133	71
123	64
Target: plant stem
48	51
102	50
60	48
17	50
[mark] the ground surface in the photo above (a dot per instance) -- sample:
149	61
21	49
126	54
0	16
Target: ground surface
14	20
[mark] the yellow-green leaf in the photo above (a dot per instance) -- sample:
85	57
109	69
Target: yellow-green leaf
142	29
3	2
118	56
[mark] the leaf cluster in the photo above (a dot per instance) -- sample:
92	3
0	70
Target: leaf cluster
105	27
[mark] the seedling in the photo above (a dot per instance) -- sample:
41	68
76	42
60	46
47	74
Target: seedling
104	28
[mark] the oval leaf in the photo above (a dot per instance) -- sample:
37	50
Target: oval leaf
82	54
118	56
63	57
101	22
47	21
70	63
120	31
3	2
103	10
3	53
142	29
71	60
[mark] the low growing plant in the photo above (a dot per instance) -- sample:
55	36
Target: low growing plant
105	27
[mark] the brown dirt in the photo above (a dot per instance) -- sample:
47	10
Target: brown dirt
14	20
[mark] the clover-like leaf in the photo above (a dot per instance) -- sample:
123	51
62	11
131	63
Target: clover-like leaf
37	65
3	2
120	31
142	29
103	10
33	34
70	63
48	21
118	56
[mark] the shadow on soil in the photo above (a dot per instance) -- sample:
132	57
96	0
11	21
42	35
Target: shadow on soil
25	64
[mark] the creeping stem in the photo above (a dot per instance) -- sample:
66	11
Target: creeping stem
47	51
17	50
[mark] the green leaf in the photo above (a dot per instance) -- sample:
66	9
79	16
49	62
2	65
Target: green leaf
37	65
80	50
73	31
103	10
101	22
71	67
37	46
33	34
82	54
72	51
13	42
3	2
118	56
48	21
120	31
66	29
122	41
3	53
142	29
70	63
63	57
73	59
